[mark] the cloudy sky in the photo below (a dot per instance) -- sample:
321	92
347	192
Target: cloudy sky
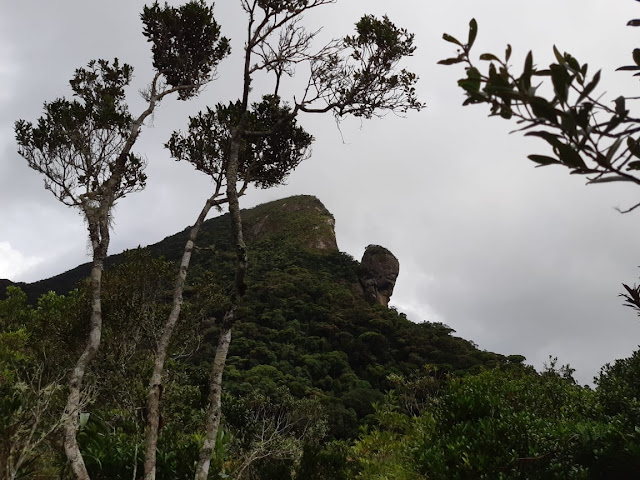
518	259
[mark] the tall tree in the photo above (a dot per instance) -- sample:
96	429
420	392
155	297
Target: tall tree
83	147
357	75
263	163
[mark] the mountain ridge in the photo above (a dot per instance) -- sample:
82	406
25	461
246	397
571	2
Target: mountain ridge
261	221
314	320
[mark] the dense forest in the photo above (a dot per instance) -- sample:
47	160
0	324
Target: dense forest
320	382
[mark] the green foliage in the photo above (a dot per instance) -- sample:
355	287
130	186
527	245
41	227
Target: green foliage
385	452
279	152
273	143
187	46
269	433
309	347
508	423
29	420
112	452
360	77
619	387
13	353
15	311
76	143
47	335
303	324
329	461
379	45
585	135
83	148
30	390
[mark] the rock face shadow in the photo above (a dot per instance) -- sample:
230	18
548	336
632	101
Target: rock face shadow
379	270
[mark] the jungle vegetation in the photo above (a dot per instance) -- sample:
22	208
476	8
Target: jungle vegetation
319	383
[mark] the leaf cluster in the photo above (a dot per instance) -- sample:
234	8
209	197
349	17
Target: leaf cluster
272	142
76	143
187	45
360	77
585	134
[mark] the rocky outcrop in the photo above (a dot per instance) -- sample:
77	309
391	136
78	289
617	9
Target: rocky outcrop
302	219
379	270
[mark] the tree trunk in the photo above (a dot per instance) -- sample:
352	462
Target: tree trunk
155	384
215	403
99	236
215	381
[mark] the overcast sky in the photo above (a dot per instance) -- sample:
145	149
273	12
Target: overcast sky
520	260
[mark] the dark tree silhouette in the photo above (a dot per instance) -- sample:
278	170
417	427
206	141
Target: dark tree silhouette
83	148
260	142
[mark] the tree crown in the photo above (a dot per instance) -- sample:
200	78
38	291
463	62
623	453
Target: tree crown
272	142
76	142
187	46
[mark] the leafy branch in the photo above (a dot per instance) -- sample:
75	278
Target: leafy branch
557	104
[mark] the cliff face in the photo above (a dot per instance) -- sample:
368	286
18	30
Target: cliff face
302	219
305	221
379	270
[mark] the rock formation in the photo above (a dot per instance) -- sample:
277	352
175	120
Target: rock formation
302	219
379	270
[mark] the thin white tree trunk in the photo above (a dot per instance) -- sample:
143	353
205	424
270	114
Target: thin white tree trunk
155	384
99	235
217	370
215	404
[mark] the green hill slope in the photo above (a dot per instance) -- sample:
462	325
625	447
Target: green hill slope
305	324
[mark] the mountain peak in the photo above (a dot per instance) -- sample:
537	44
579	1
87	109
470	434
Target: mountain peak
301	218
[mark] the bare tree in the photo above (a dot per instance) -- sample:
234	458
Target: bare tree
357	75
83	147
267	430
28	421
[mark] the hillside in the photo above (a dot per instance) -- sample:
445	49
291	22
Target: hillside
314	320
301	219
323	380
